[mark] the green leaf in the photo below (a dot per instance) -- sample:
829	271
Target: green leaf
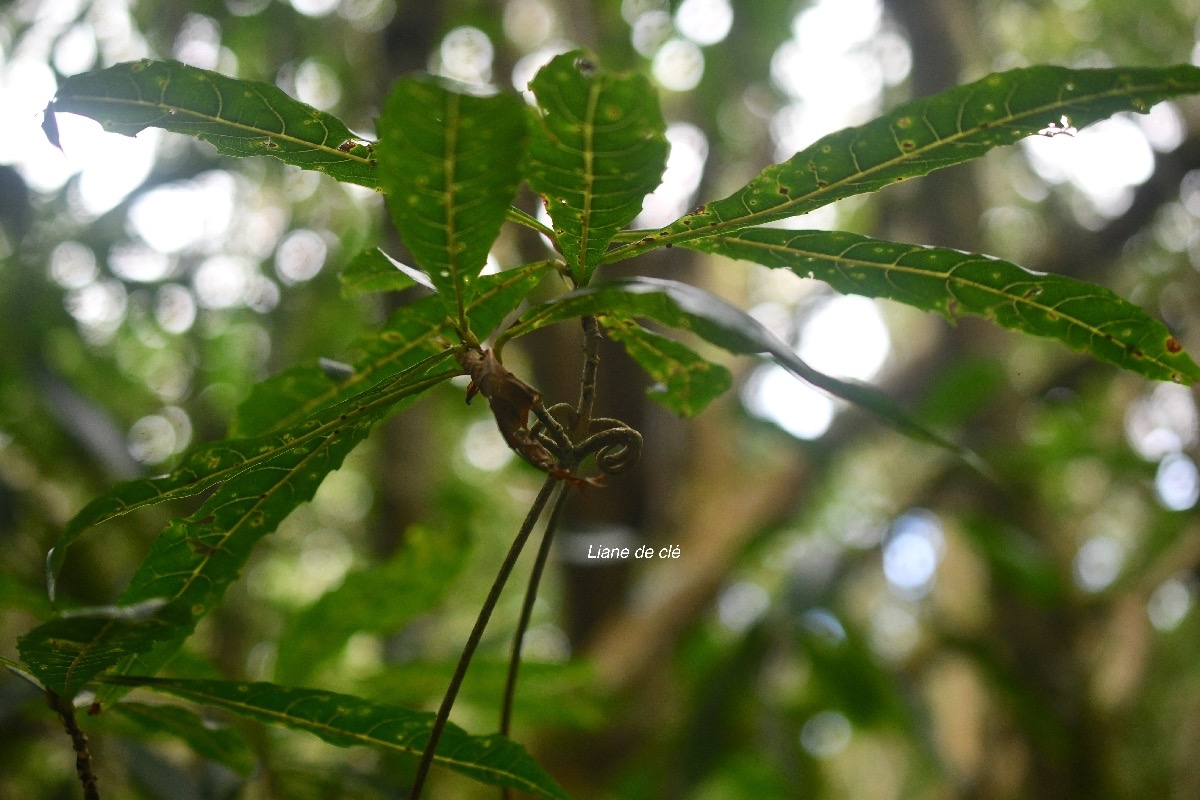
450	164
919	137
687	383
1081	315
345	721
195	559
375	271
69	651
379	599
203	469
239	117
550	693
412	333
598	148
708	316
18	669
218	743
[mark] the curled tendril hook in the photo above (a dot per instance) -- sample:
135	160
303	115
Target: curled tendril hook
615	444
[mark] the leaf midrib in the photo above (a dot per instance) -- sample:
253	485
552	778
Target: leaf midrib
949	277
292	721
168	110
589	177
661	237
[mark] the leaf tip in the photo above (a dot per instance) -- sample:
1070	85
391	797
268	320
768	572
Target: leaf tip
50	125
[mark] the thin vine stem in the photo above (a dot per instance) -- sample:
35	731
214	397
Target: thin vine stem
587	381
531	590
485	613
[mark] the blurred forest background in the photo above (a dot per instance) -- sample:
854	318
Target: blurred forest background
851	615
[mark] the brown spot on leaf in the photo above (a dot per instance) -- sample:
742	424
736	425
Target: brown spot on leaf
1174	345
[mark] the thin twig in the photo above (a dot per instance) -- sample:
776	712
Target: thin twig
587	381
79	741
485	613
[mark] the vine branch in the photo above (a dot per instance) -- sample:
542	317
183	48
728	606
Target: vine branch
531	590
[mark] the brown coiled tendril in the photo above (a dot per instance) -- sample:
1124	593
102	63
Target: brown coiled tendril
614	444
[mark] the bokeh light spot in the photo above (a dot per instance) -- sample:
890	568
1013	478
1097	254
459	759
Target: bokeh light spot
1098	563
151	439
484	448
1169	604
300	256
678	65
222	281
138	263
705	22
685	168
317	84
315	8
185	215
774	394
825	734
912	551
73	265
1163	422
650	31
174	308
529	23
741	604
466	55
1177	482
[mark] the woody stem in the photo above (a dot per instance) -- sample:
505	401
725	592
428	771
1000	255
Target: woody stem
79	740
587	381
